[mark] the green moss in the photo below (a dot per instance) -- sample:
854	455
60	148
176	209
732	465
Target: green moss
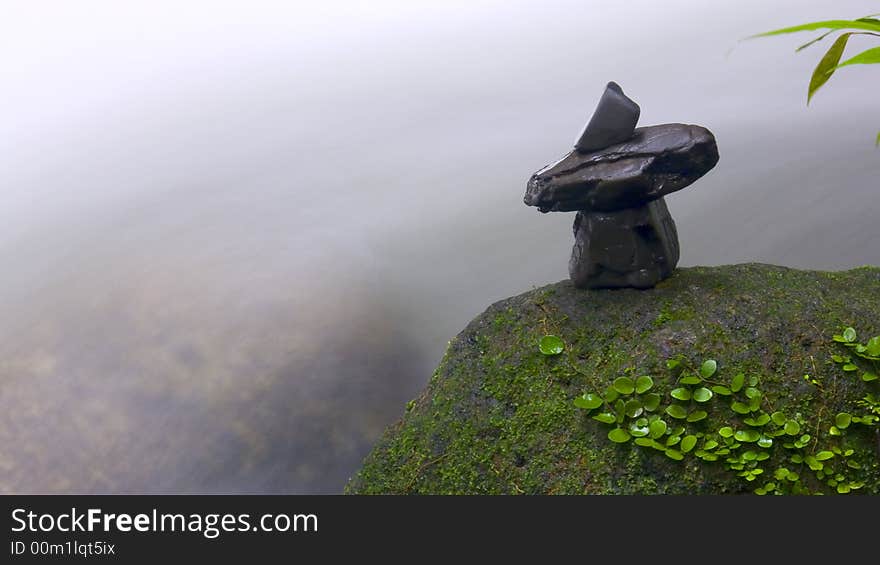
496	417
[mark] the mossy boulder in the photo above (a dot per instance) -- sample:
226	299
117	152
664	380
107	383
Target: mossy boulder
498	415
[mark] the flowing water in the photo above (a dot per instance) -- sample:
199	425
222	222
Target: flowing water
235	243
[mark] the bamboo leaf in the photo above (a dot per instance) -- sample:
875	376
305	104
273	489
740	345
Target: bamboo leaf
827	64
812	41
864	58
828	24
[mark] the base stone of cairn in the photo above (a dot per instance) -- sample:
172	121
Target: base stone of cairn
634	247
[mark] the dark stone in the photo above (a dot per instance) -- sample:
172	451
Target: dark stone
613	121
656	161
634	247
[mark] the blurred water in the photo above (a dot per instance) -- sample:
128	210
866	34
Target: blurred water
235	242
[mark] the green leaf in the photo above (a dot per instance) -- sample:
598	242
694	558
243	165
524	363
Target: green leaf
849	334
676	411
588	401
792	428
551	345
826	24
681	394
651	401
644	384
673	454
849	367
643	441
873	346
824	455
618	435
722	390
638	430
672	364
737	383
672	440
605	417
868	377
877	142
778	418
690	380
758	421
740	408
843	420
746	435
868	57
688	442
710	444
633	408
765	442
611	395
708	368
702	394
726	431
624	385
697	415
657	428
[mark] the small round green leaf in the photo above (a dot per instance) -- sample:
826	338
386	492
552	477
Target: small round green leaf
676	411
551	345
681	394
618	435
624	385
690	380
726	431
752	392
651	401
707	369
710	444
778	418
792	428
868	377
849	367
702	394
606	417
643	441
637	430
824	455
849	334
611	395
673	454
765	442
746	435
722	390
842	420
740	408
697	415
633	408
588	401
644	384
737	382
657	428
688	442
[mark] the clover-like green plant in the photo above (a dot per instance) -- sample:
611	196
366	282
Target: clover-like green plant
637	413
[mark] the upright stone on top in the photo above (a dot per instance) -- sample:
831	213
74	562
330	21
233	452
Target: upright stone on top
616	178
613	121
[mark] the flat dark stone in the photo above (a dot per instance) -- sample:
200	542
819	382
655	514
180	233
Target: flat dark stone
613	121
632	248
655	161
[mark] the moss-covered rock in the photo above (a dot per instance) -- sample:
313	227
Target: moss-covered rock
498	417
